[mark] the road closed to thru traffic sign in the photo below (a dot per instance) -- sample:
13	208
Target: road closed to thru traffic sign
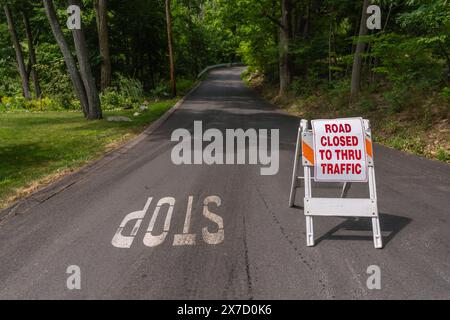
339	150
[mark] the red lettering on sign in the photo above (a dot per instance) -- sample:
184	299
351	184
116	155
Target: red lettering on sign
339	141
339	150
350	154
325	154
341	168
341	128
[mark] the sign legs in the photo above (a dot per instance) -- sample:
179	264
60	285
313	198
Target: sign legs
309	219
295	170
377	240
345	189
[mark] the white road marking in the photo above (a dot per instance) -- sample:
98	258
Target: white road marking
208	237
151	240
121	241
186	238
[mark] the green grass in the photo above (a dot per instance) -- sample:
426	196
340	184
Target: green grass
36	145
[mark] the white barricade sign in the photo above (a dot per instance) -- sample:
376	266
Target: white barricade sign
340	150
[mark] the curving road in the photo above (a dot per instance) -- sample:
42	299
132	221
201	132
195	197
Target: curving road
259	254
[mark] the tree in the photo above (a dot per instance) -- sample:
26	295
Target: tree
82	79
19	52
101	9
68	58
170	45
32	54
95	111
360	48
285	40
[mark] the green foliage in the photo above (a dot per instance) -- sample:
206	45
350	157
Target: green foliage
407	142
129	87
10	83
298	86
398	99
184	85
12	103
18	103
52	72
406	61
430	20
113	100
161	90
367	104
338	93
443	155
125	93
259	53
446	93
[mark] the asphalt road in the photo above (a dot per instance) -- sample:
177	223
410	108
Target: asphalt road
263	253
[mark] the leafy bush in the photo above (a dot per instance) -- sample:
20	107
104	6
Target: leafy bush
338	93
184	85
161	90
129	87
18	103
12	103
44	104
111	99
53	76
314	85
406	61
367	104
398	99
297	86
446	93
443	155
124	93
10	81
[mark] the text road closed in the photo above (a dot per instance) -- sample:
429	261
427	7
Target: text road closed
339	150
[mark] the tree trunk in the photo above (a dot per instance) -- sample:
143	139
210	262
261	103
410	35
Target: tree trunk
448	71
19	53
32	54
284	42
170	42
357	60
68	58
152	75
95	111
329	51
101	9
307	21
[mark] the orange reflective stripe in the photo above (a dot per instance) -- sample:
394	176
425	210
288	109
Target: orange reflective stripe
308	152
369	148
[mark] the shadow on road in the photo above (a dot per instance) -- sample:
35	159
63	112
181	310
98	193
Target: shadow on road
390	226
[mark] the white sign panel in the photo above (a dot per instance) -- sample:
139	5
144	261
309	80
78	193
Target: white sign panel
339	150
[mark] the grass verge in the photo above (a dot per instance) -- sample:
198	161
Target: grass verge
37	148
